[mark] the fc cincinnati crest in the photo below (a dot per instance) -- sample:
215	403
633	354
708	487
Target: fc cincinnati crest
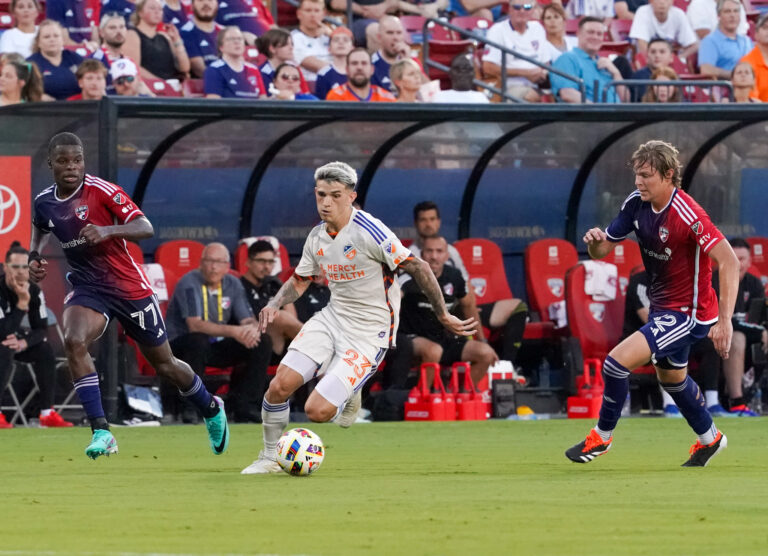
119	199
82	212
350	251
663	234
390	248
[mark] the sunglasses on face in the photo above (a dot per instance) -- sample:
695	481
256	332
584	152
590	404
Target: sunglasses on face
518	7
18	266
290	77
124	80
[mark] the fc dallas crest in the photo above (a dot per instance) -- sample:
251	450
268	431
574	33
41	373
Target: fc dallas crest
82	212
663	234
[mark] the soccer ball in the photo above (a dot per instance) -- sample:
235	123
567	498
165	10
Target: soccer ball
300	452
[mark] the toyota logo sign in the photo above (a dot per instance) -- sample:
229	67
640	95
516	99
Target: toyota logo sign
10	209
15	201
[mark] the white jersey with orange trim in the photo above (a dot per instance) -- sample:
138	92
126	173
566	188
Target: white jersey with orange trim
359	264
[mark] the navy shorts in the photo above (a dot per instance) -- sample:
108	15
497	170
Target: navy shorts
141	318
670	335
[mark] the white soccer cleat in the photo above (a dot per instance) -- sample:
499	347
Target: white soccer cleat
262	466
351	409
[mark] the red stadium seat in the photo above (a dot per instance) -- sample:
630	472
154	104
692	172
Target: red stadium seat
178	257
759	248
165	88
241	255
443	52
619	29
193	88
6	21
286	14
546	262
471	22
597	325
571	26
485	266
413	25
626	256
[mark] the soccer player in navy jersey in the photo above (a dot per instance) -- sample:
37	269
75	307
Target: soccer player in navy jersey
677	240
93	219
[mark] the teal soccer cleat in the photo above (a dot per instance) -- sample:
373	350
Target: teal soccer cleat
102	444
218	429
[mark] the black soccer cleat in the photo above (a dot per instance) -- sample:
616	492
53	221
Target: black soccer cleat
589	448
701	454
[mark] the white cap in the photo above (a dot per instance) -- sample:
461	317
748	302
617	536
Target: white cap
123	67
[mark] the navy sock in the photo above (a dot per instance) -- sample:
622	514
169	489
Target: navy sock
201	398
616	379
691	403
88	392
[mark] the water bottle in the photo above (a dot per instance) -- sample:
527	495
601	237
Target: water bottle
543	372
757	401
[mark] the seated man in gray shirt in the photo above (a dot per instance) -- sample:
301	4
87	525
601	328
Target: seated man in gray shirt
210	323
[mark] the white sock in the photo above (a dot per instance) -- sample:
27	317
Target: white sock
711	397
274	419
605	435
45	412
667	399
709	436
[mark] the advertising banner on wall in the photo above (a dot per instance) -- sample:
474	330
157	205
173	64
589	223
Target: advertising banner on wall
15	201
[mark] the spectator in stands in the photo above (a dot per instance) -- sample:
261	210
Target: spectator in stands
261	286
522	35
406	78
173	13
159	54
433	8
112	32
316	297
721	50
358	87
287	84
366	14
625	9
199	36
23	328
250	16
431	342
335	73
20	81
123	8
758	58
603	9
76	19
703	17
310	40
553	19
487	9
583	62
743	81
392	47
663	93
210	323
659	55
125	77
20	37
661	19
277	45
506	315
462	74
231	76
92	80
56	64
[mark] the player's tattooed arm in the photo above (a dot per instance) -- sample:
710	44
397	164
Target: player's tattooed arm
135	230
425	278
293	289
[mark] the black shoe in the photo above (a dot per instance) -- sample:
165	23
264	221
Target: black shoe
701	454
589	448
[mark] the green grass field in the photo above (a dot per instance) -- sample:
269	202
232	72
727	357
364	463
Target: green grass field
500	487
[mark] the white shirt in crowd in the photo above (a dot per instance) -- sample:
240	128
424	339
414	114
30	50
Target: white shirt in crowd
552	53
530	43
15	40
595	8
305	46
702	14
676	28
460	97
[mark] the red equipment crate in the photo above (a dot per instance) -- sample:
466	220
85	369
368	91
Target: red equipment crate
469	402
423	405
586	404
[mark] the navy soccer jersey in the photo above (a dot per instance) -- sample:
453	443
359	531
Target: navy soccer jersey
107	267
220	79
59	81
176	17
200	43
242	13
380	71
76	16
327	79
675	243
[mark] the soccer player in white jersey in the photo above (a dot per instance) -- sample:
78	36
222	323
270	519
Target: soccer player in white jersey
345	342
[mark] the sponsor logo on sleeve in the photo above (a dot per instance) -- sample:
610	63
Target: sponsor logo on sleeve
697	228
119	199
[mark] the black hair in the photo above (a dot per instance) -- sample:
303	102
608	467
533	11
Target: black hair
590	19
15	249
63	139
259	246
739	242
423	207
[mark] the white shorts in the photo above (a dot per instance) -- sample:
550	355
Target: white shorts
344	364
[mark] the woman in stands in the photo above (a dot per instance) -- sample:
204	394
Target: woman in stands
20	81
287	84
743	80
57	65
159	54
407	78
663	93
277	45
20	38
231	76
553	19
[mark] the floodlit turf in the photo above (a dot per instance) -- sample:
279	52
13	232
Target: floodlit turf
495	488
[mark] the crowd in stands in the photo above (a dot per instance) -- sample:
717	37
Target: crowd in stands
233	48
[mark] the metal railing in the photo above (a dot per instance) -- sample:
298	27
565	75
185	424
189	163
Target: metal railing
680	83
480	39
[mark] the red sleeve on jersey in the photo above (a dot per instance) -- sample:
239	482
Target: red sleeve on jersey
701	228
116	201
